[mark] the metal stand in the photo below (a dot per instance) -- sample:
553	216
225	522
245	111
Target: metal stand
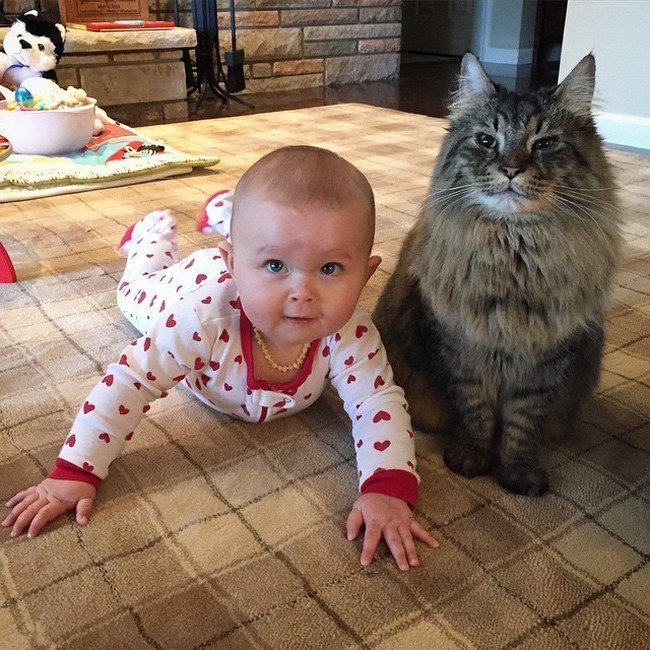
204	13
187	60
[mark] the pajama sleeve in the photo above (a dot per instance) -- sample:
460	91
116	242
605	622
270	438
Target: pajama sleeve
176	345
381	425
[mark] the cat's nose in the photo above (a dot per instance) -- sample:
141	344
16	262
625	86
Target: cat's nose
511	172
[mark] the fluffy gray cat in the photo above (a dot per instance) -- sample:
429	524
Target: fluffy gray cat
493	319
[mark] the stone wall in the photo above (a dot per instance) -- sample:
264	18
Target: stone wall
306	43
296	43
138	77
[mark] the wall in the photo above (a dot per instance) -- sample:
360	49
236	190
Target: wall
299	43
305	43
437	26
617	32
504	31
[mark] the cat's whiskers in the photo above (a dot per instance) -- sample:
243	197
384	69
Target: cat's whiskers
604	210
453	187
577	190
457	192
450	195
448	206
592	200
457	195
567	209
588	211
587	217
583	189
452	191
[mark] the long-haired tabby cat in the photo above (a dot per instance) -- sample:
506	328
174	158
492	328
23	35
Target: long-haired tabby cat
493	319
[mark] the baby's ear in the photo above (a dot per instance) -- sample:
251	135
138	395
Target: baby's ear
373	263
225	247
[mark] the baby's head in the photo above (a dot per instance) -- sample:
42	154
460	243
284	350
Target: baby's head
306	177
302	230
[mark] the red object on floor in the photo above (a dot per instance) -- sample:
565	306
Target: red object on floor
7	271
126	236
202	222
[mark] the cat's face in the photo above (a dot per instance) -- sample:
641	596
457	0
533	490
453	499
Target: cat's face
515	154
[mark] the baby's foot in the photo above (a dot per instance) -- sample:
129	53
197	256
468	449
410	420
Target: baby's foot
216	216
158	222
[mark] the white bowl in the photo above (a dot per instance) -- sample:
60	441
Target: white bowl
47	133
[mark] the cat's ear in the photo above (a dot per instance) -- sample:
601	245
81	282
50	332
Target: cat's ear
473	84
577	89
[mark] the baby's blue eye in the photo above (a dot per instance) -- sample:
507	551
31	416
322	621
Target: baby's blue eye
275	266
330	268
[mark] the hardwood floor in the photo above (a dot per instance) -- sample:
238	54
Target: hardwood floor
422	88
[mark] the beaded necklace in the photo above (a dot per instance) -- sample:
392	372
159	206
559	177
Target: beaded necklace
298	361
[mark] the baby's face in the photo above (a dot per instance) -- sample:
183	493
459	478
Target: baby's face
299	271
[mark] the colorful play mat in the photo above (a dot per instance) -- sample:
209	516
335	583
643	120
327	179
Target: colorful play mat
117	156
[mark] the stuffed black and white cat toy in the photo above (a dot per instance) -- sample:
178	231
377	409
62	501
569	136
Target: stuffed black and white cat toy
31	48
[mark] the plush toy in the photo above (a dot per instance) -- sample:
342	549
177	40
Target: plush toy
54	97
32	48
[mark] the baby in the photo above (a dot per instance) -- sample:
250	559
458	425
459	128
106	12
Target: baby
256	329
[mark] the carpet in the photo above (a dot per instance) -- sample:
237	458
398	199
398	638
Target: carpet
211	532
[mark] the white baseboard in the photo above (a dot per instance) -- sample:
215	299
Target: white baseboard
625	130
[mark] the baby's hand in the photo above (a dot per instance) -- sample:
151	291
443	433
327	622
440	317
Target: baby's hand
46	501
390	518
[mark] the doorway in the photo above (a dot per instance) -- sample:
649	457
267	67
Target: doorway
438	27
518	42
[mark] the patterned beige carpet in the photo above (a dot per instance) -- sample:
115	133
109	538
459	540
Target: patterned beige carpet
214	533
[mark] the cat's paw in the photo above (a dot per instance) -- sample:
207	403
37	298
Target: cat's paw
523	479
467	461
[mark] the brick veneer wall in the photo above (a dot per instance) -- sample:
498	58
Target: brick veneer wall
299	43
306	43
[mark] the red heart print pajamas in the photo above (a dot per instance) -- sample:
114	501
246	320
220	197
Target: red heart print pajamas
194	332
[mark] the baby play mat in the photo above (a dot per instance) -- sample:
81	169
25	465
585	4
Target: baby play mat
212	533
117	156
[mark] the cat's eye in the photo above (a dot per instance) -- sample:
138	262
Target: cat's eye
486	140
544	143
275	266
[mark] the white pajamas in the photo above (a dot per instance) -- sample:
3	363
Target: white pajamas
195	332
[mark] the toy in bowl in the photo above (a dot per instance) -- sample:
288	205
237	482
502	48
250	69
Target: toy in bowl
46	132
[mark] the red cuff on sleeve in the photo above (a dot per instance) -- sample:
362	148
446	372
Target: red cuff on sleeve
66	471
395	483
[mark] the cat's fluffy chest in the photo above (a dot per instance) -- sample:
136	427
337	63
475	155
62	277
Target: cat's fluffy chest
509	286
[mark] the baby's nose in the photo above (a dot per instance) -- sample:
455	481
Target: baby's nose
301	296
302	290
